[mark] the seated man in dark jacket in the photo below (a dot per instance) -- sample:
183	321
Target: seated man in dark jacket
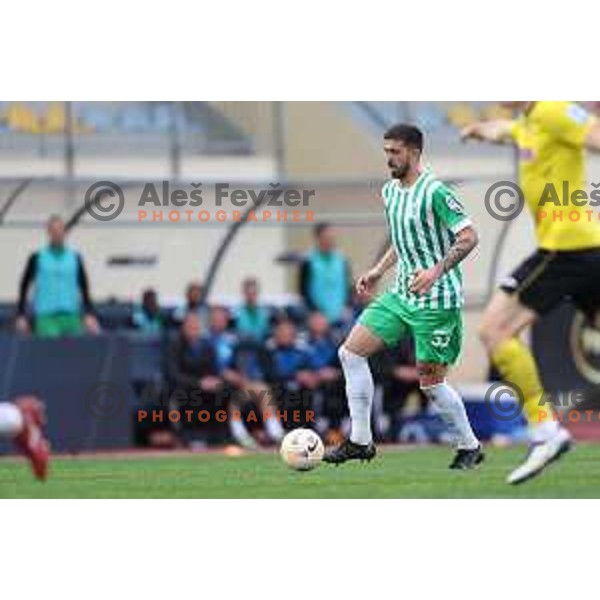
193	374
293	375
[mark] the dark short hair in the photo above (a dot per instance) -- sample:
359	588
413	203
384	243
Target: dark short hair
409	134
321	227
149	292
285	320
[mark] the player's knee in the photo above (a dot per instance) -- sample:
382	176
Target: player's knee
348	357
492	333
431	375
485	334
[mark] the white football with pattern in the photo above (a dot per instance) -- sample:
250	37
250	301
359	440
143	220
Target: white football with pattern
302	449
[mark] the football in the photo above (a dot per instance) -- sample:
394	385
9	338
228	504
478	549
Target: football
302	449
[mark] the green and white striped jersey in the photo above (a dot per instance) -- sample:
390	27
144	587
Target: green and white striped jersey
423	220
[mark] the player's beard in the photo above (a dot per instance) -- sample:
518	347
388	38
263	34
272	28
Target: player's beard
399	171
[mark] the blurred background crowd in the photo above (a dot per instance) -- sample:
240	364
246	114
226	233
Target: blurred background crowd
248	357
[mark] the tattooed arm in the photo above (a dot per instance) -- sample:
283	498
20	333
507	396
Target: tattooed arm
466	240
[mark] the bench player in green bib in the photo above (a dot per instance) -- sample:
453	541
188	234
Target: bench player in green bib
431	235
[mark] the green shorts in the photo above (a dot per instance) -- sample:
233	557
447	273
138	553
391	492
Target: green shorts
64	324
438	334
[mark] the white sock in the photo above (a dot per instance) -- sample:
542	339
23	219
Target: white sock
274	428
542	432
449	405
360	391
11	420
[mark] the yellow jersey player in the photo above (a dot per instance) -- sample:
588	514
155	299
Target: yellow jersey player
551	138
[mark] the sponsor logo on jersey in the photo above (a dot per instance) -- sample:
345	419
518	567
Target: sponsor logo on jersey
454	205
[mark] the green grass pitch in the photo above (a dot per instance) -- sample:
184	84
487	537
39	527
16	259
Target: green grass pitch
395	473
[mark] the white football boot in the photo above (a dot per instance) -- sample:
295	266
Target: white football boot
541	454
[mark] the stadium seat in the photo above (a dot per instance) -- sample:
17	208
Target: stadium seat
461	114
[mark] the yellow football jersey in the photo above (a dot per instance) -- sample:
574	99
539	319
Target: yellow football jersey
551	143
